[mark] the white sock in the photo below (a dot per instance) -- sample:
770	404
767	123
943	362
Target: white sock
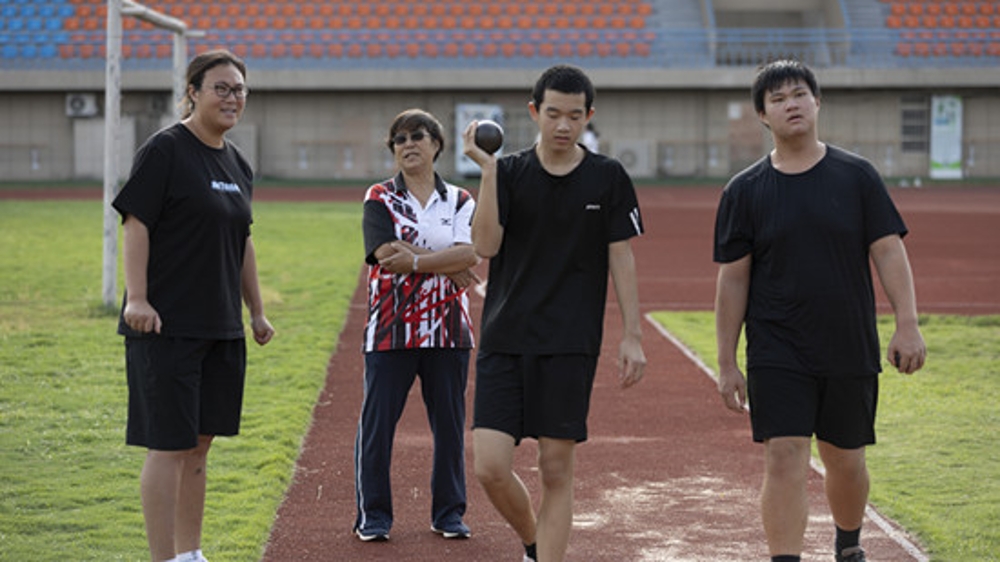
191	556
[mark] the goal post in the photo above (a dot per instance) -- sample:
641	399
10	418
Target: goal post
112	116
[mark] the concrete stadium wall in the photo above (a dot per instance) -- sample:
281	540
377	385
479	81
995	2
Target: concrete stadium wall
658	132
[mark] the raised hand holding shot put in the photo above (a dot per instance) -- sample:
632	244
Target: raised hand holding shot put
554	219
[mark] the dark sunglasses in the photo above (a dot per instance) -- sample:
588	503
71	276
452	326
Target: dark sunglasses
415	137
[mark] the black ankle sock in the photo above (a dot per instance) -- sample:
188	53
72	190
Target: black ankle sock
847	539
786	558
530	550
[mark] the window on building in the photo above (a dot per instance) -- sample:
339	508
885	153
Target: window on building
915	123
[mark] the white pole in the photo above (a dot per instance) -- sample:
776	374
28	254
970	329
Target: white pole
112	117
112	122
180	72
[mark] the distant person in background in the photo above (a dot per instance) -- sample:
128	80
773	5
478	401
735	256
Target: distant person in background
589	138
418	247
188	260
794	234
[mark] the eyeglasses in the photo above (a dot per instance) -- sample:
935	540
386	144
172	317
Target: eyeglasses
415	137
239	91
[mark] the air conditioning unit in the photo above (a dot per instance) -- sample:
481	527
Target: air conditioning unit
81	105
636	156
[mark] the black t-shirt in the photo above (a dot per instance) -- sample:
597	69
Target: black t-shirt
548	282
811	305
195	202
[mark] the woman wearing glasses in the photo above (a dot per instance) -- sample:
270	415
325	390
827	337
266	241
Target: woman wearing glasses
418	246
189	261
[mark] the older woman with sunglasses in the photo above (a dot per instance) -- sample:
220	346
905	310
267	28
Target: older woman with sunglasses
189	261
419	252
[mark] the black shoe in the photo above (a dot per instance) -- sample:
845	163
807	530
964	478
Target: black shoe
852	554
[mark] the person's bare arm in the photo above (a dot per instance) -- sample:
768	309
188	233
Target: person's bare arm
906	350
138	314
632	360
731	294
262	329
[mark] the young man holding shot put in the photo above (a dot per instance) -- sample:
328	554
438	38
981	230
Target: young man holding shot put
554	219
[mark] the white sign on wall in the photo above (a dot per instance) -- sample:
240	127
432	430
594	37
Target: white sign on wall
464	113
946	137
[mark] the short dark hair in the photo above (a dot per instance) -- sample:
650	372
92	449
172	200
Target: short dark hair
564	78
775	74
201	64
413	120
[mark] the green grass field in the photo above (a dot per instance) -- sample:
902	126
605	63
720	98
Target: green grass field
934	469
69	485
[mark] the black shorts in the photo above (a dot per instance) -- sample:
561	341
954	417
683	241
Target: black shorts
180	388
534	395
838	410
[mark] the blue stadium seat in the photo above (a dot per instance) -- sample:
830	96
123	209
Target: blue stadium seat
48	51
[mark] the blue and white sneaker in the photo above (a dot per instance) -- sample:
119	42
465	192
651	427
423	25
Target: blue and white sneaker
457	531
372	535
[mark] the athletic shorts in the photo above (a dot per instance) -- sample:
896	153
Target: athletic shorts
180	388
838	410
534	395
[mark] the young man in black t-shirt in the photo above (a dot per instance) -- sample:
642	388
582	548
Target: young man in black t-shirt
554	220
794	233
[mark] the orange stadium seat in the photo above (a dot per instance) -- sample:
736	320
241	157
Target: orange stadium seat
898	9
916	8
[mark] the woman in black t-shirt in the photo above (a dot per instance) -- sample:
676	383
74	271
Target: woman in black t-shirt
188	262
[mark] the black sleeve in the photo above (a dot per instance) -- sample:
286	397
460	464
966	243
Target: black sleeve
733	234
377	228
145	191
